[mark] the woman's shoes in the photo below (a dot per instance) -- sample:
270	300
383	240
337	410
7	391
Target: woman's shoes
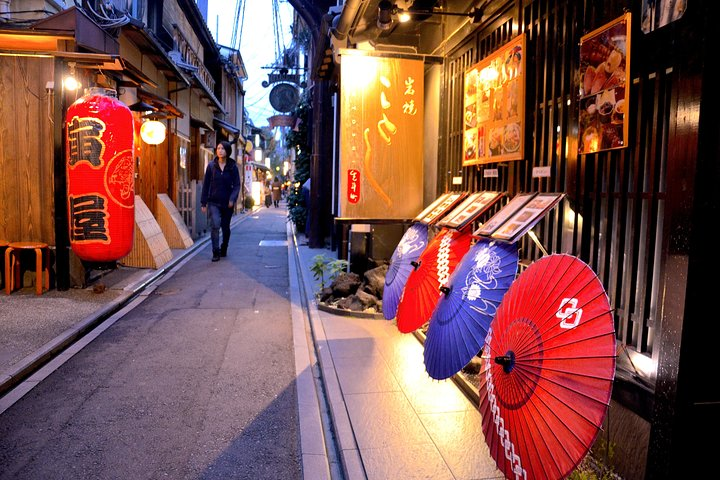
216	255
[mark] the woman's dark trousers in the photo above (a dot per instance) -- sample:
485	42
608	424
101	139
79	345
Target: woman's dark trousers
219	220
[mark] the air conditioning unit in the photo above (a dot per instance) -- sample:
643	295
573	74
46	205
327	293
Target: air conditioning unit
208	139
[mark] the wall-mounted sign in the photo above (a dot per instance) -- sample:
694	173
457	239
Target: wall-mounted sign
540	172
281	121
604	76
494	102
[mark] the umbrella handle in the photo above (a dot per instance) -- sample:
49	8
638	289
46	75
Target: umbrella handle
507	361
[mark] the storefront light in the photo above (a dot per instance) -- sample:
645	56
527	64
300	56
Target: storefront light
70	83
153	132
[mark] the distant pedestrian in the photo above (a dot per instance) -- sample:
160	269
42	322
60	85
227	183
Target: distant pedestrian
220	190
267	190
276	192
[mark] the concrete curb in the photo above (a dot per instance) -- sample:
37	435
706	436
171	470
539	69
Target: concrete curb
342	429
314	447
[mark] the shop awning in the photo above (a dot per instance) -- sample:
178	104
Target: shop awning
258	165
102	61
207	93
161	103
227	126
85	32
38	43
198	123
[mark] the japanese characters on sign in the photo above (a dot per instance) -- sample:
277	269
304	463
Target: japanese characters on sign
353	181
494	106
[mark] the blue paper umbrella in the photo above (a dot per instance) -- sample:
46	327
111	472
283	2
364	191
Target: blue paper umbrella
461	319
411	245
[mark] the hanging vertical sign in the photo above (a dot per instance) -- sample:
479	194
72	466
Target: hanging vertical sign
381	139
100	177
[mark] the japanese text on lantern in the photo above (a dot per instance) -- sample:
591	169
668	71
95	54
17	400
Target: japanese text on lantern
353	191
88	213
85	141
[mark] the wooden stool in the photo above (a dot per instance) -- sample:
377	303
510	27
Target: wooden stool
3	246
13	267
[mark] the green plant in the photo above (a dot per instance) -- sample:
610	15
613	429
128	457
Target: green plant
249	202
297	210
322	264
591	468
336	267
299	140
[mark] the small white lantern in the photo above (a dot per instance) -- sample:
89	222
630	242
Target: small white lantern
153	132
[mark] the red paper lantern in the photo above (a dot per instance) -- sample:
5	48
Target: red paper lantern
100	177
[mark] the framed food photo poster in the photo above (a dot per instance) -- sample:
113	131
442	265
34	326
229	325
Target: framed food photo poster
494	106
604	87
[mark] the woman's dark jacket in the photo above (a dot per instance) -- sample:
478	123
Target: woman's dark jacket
220	186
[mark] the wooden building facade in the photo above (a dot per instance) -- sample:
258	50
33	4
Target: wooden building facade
161	61
639	214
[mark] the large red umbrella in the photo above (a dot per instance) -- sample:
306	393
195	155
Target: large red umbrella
434	267
549	364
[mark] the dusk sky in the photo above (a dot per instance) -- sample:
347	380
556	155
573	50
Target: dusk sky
257	45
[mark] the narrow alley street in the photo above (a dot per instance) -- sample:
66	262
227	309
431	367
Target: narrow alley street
197	381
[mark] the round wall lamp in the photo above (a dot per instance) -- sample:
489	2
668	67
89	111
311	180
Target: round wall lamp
71	83
153	132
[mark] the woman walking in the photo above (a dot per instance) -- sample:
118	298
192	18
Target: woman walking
220	190
276	192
